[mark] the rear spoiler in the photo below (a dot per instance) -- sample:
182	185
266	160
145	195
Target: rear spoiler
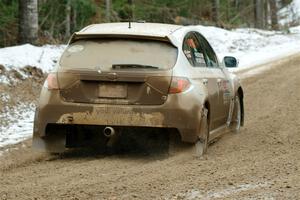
79	36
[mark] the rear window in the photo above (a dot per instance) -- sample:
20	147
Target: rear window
106	53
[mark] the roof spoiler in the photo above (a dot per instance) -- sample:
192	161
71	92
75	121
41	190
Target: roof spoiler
79	36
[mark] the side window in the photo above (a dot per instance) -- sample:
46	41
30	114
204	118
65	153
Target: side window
193	51
211	57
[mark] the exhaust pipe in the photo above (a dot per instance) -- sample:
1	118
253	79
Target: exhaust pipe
109	131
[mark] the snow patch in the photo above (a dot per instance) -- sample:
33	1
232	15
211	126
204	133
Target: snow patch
4	79
234	190
4	97
44	57
290	15
295	30
223	193
252	47
19	126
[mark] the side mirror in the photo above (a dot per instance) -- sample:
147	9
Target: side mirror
230	61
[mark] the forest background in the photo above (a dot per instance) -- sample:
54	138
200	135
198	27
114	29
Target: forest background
53	21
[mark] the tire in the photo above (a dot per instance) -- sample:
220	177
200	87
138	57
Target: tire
201	145
236	116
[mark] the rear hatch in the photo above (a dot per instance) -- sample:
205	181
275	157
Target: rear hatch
116	71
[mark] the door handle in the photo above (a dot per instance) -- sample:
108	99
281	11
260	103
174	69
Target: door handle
204	81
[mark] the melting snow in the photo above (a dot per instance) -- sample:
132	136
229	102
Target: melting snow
20	124
223	193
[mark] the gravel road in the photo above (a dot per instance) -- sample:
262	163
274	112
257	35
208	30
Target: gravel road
261	162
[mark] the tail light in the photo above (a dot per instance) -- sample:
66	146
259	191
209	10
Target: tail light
179	84
51	82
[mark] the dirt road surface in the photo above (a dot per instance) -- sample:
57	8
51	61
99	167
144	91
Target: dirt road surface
261	162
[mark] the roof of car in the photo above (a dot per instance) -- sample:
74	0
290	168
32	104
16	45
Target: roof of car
141	29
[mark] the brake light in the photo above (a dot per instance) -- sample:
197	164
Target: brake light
51	82
179	84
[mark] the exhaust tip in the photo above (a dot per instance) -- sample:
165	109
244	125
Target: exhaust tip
108	131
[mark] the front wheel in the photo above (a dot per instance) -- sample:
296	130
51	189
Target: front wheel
236	116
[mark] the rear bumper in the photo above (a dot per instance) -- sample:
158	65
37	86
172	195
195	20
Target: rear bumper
181	111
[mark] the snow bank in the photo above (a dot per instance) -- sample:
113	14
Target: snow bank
290	14
20	126
252	46
295	30
44	57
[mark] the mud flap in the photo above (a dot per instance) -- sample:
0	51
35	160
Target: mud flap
201	145
199	148
52	143
235	121
231	107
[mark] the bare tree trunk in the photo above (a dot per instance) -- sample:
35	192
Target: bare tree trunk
68	19
215	11
237	4
259	14
107	4
131	17
227	10
74	19
274	10
28	21
266	14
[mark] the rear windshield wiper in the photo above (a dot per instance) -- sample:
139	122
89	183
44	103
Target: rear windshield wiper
133	66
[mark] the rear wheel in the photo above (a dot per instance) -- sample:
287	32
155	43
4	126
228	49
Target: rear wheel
201	144
236	116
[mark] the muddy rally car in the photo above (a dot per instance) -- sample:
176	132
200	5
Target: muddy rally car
120	76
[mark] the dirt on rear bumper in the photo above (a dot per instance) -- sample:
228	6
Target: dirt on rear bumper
185	118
